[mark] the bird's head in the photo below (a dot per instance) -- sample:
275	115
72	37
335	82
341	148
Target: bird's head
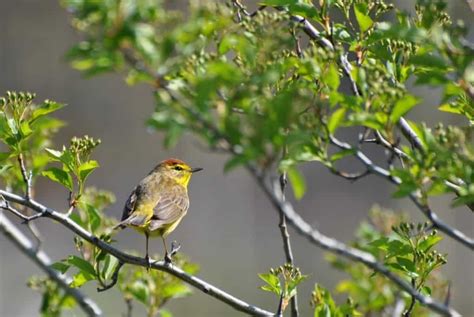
177	170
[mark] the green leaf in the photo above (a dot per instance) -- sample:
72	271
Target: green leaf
140	291
407	265
295	7
336	119
60	266
4	156
60	176
402	106
175	290
297	182
86	169
362	16
63	156
93	215
342	154
47	107
450	108
165	313
273	283
429	242
110	263
83	266
405	189
80	279
332	77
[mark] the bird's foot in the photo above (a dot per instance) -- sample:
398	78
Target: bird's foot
148	262
174	249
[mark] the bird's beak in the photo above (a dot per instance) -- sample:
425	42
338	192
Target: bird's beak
196	169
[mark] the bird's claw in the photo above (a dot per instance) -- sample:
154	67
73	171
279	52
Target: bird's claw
174	249
175	246
148	262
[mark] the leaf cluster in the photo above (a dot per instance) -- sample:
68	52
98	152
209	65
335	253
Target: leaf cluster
407	248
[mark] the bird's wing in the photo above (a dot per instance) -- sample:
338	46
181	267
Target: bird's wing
170	208
128	216
130	203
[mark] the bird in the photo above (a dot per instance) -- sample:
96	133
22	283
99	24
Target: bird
159	202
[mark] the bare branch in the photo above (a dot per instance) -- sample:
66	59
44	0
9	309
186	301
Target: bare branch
27	177
200	284
410	134
334	246
28	180
42	260
409	310
285	236
350	176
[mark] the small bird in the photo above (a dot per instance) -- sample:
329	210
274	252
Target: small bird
159	202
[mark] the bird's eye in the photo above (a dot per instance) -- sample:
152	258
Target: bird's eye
178	168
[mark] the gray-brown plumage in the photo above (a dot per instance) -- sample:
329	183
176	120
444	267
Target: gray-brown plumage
160	201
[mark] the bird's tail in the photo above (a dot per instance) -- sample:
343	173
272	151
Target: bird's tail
120	225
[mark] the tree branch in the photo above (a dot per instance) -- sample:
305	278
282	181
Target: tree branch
205	287
285	236
334	246
42	260
415	196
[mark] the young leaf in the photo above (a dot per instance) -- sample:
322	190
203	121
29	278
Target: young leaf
86	169
362	16
297	182
402	106
336	119
80	279
61	267
60	176
47	107
273	283
332	77
81	264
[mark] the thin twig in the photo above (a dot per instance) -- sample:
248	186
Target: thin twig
410	134
350	176
28	180
129	304
409	310
42	260
279	312
198	283
285	236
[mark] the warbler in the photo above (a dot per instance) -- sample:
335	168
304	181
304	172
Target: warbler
159	202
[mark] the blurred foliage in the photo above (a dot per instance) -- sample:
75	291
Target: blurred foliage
245	82
406	248
54	301
25	129
155	288
324	305
283	281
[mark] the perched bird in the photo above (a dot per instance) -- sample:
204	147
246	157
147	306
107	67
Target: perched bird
159	202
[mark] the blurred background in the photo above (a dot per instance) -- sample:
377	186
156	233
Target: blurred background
231	229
